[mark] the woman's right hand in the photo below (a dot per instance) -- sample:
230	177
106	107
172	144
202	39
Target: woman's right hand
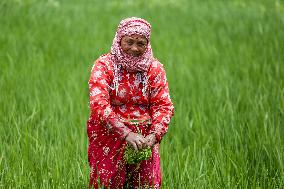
137	141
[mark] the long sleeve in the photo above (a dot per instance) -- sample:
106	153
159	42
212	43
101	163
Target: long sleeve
161	106
99	86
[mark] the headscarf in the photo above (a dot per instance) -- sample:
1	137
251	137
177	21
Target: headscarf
127	27
141	64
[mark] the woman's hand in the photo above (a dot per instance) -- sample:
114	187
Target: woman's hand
150	140
136	140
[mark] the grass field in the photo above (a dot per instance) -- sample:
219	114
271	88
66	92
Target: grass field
225	66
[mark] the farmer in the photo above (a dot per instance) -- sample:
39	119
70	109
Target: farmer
127	84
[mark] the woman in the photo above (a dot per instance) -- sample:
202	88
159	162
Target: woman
127	84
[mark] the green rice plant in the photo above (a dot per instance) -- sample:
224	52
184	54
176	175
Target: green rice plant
132	156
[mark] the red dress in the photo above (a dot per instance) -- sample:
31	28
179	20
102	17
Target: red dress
106	129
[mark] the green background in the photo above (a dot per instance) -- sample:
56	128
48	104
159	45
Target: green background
225	66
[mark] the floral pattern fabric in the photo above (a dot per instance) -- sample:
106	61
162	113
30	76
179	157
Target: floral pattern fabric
107	130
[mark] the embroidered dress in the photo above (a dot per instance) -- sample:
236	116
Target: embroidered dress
119	93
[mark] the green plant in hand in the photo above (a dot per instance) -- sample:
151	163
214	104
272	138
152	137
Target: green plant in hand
132	156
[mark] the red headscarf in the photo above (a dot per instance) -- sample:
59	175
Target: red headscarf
141	64
127	27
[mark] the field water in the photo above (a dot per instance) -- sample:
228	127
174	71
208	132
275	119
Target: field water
225	66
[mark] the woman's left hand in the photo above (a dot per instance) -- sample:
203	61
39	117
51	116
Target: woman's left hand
150	140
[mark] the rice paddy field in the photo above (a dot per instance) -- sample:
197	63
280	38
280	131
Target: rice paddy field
225	66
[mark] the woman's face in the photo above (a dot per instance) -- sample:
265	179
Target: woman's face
134	45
